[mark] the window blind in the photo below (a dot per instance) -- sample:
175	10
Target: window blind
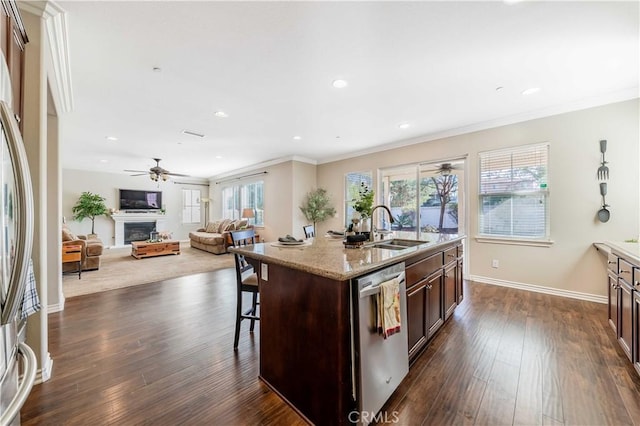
514	192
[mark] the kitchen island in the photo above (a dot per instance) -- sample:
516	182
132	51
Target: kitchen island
306	318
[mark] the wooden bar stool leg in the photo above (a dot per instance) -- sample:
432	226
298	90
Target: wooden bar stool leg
254	303
236	337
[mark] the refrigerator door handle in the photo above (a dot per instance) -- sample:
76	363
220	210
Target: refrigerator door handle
24	220
29	367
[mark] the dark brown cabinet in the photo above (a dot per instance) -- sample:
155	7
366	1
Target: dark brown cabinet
636	322
626	318
623	294
450	299
13	38
435	314
434	289
416	317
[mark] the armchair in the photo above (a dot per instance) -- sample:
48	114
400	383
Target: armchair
91	251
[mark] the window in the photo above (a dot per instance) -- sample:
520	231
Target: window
514	195
245	196
190	206
351	188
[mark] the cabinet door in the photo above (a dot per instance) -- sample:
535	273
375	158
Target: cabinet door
417	317
459	282
614	297
636	324
625	317
450	274
435	314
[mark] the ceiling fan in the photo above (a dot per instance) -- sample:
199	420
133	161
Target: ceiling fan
156	172
445	169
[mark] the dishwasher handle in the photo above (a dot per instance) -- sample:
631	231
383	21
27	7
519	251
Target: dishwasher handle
373	289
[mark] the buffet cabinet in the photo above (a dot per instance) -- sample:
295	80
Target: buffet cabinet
623	284
434	289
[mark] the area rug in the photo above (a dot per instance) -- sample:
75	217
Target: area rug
118	269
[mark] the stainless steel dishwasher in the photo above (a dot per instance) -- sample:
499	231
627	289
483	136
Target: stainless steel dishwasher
379	364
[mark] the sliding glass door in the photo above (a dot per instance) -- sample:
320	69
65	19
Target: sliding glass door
424	199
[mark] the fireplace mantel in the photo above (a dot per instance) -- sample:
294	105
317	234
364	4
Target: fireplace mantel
121	218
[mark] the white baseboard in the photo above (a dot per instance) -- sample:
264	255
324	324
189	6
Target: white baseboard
44	374
57	307
541	289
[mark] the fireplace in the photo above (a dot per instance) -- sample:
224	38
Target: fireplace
133	219
138	231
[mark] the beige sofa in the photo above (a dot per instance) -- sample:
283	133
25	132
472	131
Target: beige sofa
216	236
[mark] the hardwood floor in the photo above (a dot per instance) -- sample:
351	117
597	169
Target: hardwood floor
161	354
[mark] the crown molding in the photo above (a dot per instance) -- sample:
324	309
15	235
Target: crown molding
55	18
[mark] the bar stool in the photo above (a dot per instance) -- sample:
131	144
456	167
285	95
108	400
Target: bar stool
246	281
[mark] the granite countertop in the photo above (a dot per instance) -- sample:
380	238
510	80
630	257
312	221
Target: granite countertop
327	257
629	251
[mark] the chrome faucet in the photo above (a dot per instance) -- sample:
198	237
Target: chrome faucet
371	236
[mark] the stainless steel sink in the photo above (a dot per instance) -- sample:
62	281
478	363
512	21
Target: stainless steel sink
396	244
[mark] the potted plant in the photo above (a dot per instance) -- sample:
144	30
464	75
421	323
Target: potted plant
317	206
364	205
89	206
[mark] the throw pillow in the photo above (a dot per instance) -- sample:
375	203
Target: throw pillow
223	226
213	226
242	223
68	235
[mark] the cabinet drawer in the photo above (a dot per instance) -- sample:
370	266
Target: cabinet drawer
460	250
612	263
636	287
625	271
423	268
450	255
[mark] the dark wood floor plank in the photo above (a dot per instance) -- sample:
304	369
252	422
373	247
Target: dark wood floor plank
161	354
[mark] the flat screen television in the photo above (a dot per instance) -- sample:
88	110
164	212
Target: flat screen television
134	199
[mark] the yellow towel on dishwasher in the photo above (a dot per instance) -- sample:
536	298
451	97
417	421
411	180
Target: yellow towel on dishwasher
389	308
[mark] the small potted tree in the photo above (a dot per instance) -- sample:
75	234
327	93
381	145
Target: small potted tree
317	206
89	206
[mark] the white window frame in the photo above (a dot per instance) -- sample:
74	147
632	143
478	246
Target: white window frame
541	190
191	206
241	200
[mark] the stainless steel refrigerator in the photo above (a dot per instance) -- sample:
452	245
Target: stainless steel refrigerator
17	360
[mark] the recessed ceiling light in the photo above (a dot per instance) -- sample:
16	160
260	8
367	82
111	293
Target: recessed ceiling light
220	114
531	91
499	88
297	138
111	138
339	84
157	69
104	161
404	125
218	156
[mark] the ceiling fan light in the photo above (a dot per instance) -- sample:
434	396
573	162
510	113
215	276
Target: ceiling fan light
165	177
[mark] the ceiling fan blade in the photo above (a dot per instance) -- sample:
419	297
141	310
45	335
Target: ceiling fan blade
176	174
140	174
136	171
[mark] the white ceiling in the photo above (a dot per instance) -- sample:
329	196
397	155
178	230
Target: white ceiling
270	65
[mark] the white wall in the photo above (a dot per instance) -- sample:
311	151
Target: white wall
74	182
571	264
285	184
